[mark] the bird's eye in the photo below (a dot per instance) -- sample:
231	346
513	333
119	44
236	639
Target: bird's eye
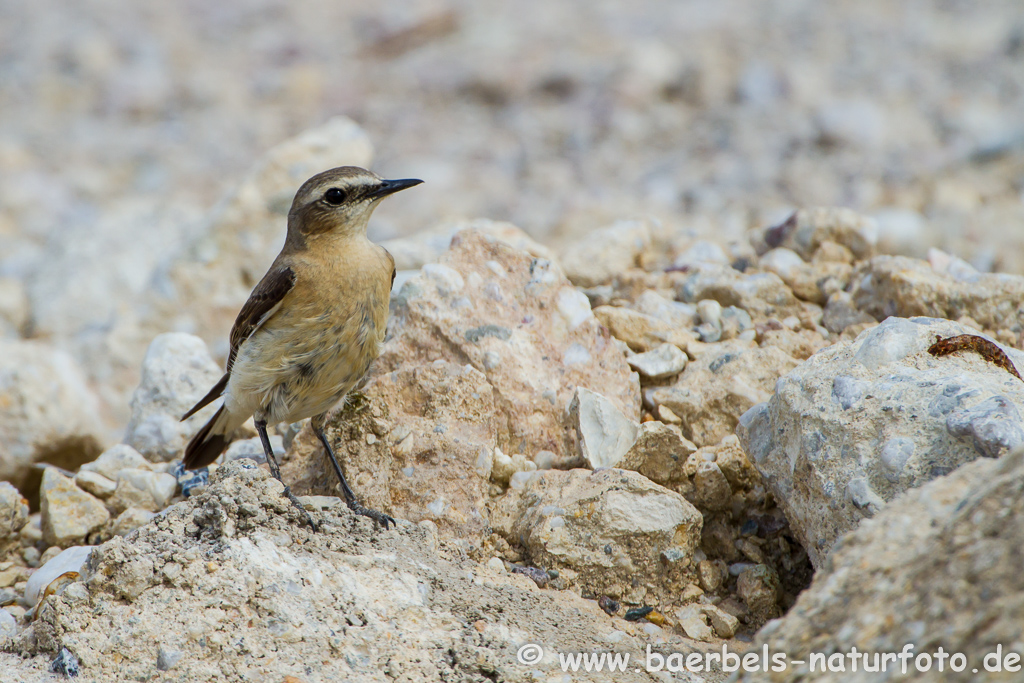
334	196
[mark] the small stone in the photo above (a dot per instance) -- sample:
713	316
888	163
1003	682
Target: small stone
665	414
641	332
50	553
692	621
66	561
712	487
663	361
31	555
725	624
115	459
537	575
710	575
13	516
95	483
144	489
710	312
319	503
504	467
605	434
8	624
167	658
658	453
65	664
496	565
129	520
69	513
759	588
609	606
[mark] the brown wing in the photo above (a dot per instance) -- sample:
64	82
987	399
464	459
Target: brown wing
268	294
264	299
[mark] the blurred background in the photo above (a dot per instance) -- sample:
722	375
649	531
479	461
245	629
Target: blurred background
121	123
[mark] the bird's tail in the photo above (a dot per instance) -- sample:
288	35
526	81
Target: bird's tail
210	441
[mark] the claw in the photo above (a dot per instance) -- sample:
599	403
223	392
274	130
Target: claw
378	517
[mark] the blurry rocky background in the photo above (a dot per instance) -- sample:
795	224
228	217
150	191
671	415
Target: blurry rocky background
661	370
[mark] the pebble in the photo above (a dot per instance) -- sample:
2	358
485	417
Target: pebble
660	362
605	434
115	459
65	663
496	565
69	513
95	483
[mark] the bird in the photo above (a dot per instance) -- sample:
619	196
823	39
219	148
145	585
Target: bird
312	325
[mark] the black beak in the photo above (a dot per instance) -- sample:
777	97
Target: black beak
392	186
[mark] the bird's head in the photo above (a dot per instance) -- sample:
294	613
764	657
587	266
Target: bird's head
340	201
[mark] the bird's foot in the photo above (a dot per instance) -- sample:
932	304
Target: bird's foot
376	516
298	503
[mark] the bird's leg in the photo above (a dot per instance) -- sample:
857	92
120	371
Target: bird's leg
261	428
317	423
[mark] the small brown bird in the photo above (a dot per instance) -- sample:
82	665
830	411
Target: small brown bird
312	325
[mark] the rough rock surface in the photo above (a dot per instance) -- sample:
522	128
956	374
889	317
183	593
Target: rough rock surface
418	444
862	421
47	413
604	434
938	567
716	389
516	319
13	516
231	583
427	246
606	252
905	287
611	532
176	372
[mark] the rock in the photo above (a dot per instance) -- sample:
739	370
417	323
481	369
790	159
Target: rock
116	458
641	332
605	435
758	586
253	449
711	487
418	444
606	252
725	624
805	231
734	464
191	481
176	373
611	532
13	516
717	388
761	295
840	313
701	253
95	484
710	576
694	624
862	421
517	320
129	520
69	513
143	489
900	286
8	626
665	360
426	246
504	467
365	601
659	453
47	413
69	560
938	560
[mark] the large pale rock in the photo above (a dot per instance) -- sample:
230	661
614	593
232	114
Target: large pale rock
69	513
521	323
47	413
716	389
607	252
417	444
862	421
906	287
928	569
612	532
605	435
231	580
176	372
